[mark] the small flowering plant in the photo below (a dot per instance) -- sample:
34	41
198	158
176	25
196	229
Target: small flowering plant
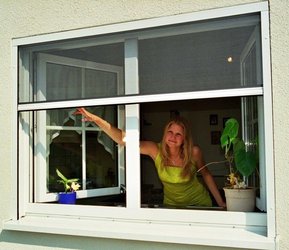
70	185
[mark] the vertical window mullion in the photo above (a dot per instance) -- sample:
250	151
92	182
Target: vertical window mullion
268	126
83	135
132	125
131	67
83	152
132	156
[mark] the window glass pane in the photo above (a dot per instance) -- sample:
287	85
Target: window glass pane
197	61
251	135
65	82
78	149
64	154
62	117
249	67
68	74
101	165
62	82
205	134
105	85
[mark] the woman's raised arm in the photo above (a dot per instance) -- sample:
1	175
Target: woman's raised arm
146	147
114	133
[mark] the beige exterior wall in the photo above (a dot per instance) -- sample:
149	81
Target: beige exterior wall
279	16
20	18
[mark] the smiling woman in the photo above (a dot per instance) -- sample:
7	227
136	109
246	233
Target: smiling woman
176	160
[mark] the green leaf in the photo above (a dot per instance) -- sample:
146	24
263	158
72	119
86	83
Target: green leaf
245	161
61	175
72	180
231	128
230	132
224	140
238	145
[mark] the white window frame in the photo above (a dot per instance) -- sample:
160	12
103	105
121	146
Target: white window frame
255	40
208	228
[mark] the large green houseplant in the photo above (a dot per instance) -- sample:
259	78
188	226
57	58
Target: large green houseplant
242	164
240	160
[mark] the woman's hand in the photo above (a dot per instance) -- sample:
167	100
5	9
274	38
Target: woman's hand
87	116
114	133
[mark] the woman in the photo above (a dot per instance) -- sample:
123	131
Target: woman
177	162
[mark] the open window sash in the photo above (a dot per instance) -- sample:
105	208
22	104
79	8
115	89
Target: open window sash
253	113
61	77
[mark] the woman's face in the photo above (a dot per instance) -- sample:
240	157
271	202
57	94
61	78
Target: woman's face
174	136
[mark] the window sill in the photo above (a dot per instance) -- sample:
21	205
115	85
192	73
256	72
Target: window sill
205	235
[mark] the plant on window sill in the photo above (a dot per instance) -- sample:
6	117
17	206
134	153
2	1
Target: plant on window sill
70	185
242	163
240	160
70	188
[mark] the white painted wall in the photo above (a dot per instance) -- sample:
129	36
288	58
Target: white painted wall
20	18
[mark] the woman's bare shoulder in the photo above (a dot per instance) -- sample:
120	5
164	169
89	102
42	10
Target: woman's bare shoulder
149	148
196	152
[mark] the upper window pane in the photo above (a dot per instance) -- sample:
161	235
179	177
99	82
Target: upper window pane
69	74
206	60
207	55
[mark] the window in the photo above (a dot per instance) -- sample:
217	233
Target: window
136	78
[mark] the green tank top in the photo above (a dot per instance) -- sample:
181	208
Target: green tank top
181	191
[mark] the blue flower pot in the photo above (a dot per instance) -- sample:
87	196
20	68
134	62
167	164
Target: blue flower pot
67	198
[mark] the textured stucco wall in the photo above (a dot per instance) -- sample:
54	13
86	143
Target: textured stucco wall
279	17
20	18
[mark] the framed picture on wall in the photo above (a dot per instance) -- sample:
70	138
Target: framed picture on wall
213	119
215	137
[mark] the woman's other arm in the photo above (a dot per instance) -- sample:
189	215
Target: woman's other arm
207	176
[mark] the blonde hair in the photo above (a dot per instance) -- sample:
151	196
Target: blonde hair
186	147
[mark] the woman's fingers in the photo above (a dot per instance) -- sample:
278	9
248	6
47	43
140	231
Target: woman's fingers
86	115
79	111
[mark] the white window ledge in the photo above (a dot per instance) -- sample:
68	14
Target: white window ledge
207	235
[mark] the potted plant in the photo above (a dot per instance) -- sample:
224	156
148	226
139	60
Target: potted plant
70	188
242	163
